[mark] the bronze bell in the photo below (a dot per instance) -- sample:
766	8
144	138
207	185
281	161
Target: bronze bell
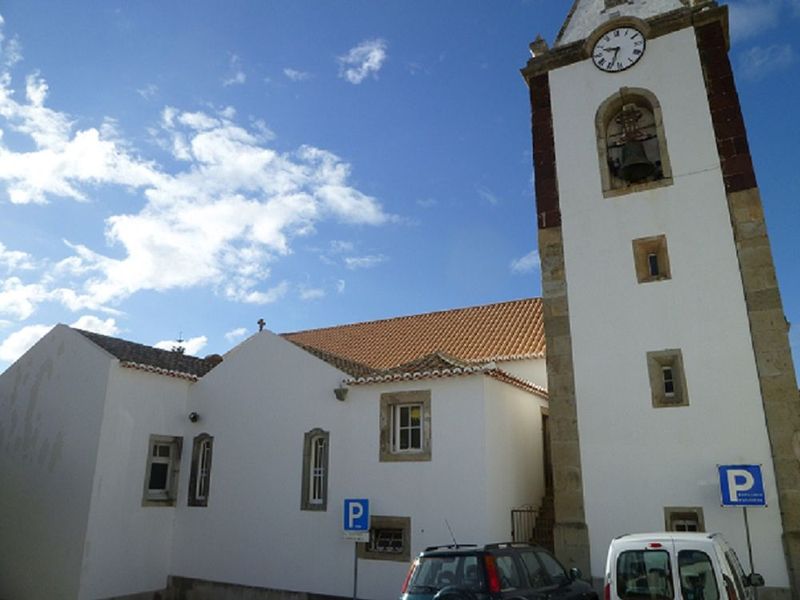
635	164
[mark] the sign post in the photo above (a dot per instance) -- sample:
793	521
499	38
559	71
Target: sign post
742	485
356	529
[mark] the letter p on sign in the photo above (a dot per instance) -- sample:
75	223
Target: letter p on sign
741	485
356	514
739	481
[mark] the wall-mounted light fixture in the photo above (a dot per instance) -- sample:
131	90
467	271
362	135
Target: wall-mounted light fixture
341	393
194	417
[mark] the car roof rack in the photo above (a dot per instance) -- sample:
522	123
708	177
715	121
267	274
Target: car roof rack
508	545
450	547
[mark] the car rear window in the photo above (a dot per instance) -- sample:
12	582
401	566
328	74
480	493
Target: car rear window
697	576
435	572
644	573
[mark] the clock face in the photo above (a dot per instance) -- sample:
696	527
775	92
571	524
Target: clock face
618	49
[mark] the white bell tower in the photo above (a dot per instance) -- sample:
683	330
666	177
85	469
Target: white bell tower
667	346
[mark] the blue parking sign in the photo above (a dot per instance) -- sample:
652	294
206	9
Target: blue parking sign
741	485
356	514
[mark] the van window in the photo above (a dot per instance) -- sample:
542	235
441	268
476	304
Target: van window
644	573
697	576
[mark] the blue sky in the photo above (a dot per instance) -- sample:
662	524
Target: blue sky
185	168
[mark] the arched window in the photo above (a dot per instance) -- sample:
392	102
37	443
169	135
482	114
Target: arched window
200	475
632	147
315	470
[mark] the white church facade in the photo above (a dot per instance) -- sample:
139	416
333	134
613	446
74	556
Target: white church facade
667	344
133	472
128	470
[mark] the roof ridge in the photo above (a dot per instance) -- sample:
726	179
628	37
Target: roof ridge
414	316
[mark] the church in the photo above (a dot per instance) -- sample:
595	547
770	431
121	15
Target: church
657	354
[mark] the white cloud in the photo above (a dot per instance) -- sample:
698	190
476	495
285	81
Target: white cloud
97	325
758	61
427	202
295	75
191	346
18	299
751	17
232	207
10	50
236	76
340	246
526	264
488	195
364	262
220	222
16	344
362	61
148	92
14	259
236	334
311	293
340	286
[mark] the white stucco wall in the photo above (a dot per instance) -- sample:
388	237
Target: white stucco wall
51	406
530	369
258	404
636	459
514	453
129	546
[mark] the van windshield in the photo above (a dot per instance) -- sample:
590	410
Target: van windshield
644	573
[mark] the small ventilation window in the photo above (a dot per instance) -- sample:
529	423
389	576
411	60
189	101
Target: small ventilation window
667	379
651	259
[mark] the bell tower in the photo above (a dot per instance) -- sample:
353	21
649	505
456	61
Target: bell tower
667	345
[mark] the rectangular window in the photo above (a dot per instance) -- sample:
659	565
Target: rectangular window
200	475
669	382
684	518
644	574
161	476
652	261
389	539
314	495
405	426
650	258
696	573
667	378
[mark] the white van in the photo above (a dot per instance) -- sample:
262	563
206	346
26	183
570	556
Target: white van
675	566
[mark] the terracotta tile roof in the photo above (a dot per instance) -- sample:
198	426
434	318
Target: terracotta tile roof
479	334
154	360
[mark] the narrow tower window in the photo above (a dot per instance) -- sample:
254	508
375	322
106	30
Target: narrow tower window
651	259
667	378
652	262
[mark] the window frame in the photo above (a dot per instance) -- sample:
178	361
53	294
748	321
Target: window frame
674	514
168	495
391	405
366	550
657	362
315	470
643	249
200	471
